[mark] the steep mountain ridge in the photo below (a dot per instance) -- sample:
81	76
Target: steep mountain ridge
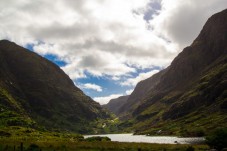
115	104
35	88
140	92
189	95
193	61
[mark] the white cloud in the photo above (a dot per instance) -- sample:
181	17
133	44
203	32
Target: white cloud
106	37
116	78
105	99
101	37
140	77
74	73
180	22
91	86
45	48
128	92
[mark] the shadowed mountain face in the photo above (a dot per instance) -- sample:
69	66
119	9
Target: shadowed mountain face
34	90
191	93
140	92
115	104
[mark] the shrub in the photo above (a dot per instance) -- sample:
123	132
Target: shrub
190	148
33	147
98	139
217	139
6	134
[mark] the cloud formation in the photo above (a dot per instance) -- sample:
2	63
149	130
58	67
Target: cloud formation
106	99
142	76
180	22
102	37
92	87
107	38
128	92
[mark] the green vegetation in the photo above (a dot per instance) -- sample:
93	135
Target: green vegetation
111	125
41	112
217	139
11	137
100	146
195	124
31	98
12	113
195	112
98	139
11	118
4	95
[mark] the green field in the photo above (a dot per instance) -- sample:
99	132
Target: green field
94	146
13	138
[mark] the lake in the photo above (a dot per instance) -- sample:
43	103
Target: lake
151	139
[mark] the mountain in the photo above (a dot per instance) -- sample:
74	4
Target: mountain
35	92
190	96
141	91
115	104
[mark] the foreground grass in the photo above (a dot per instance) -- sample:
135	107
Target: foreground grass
12	138
95	146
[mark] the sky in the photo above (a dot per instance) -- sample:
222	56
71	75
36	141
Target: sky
106	46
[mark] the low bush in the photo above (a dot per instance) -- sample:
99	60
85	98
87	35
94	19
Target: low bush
217	139
33	147
5	134
190	148
98	139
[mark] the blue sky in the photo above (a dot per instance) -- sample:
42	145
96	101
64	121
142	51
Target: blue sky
106	46
107	85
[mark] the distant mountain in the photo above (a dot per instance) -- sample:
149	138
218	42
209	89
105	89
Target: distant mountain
190	96
35	92
141	90
115	104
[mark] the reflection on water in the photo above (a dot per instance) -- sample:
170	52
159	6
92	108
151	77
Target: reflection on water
151	139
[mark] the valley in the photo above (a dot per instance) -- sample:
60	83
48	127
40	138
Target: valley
179	108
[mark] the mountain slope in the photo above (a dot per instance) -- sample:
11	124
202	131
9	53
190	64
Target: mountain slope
191	93
115	104
140	92
36	90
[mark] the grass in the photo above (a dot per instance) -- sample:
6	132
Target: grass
195	112
94	146
194	124
36	140
5	95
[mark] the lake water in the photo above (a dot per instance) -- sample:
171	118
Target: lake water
151	139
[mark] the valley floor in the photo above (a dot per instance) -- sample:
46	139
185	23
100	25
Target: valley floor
95	146
27	139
